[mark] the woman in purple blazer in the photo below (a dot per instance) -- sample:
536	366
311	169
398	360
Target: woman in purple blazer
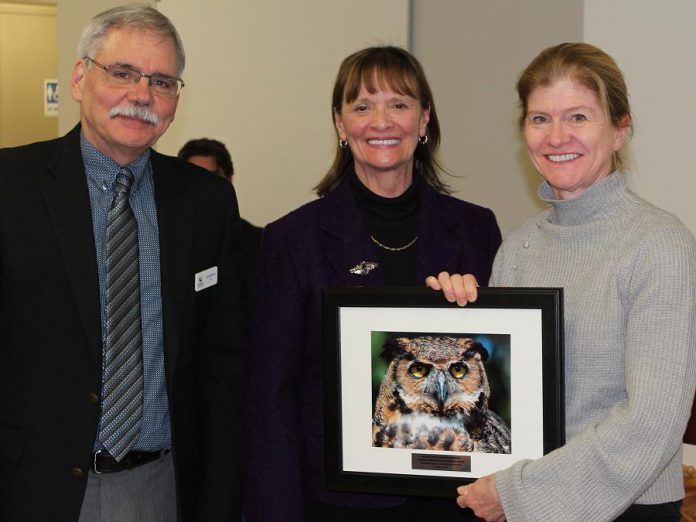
383	219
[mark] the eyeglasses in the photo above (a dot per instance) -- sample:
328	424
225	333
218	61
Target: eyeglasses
124	76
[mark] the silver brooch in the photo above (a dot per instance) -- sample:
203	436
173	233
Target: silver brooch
363	267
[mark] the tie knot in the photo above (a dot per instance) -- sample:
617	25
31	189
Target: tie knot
124	180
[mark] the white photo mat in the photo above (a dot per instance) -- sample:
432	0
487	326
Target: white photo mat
524	326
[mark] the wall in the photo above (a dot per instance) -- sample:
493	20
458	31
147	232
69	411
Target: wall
472	53
260	74
27	58
261	82
654	43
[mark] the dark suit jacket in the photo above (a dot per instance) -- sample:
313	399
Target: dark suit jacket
251	246
309	249
50	333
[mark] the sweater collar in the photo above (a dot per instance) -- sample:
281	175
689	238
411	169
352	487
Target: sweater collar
605	195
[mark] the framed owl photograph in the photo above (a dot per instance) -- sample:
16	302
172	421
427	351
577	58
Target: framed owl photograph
422	395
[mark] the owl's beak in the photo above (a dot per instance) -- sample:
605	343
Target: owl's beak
441	391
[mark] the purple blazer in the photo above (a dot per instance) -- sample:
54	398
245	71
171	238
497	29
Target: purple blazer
309	249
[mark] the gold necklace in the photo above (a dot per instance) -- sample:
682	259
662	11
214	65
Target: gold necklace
394	249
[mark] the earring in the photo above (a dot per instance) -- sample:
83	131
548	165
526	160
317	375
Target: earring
342	143
423	139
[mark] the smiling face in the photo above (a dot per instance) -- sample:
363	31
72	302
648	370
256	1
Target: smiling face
382	129
569	138
124	138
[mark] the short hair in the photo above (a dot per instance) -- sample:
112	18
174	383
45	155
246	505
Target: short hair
379	68
133	16
212	148
587	65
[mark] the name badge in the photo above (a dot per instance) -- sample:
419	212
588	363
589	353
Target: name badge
205	279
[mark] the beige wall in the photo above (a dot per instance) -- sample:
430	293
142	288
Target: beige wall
654	43
259	76
472	53
27	57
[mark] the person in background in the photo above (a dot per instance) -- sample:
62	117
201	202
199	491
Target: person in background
628	271
383	218
213	156
120	302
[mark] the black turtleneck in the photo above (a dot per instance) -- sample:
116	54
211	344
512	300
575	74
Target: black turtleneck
393	222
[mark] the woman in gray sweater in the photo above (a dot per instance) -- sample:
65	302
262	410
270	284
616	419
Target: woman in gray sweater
628	270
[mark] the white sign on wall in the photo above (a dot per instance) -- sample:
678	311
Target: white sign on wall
51	98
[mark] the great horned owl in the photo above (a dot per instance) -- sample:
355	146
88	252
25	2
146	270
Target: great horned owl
434	395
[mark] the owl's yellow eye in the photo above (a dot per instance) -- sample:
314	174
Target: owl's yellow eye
419	370
457	370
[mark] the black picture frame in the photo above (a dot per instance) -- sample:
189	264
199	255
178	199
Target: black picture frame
529	320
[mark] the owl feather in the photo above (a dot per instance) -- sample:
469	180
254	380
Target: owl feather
434	395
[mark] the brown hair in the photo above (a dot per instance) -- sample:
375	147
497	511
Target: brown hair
378	68
587	65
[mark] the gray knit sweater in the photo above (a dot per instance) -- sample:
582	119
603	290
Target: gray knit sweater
628	270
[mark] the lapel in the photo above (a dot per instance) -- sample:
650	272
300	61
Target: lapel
175	218
346	240
438	242
66	195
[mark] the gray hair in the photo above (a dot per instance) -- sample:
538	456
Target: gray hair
133	16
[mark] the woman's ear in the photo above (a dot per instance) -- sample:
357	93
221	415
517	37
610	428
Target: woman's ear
338	122
425	118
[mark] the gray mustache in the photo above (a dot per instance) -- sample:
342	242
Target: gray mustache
133	111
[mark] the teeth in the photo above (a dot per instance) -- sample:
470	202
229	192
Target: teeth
563	157
384	142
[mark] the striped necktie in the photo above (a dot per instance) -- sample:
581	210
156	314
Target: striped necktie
122	405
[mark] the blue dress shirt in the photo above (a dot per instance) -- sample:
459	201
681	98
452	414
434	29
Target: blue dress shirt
155	429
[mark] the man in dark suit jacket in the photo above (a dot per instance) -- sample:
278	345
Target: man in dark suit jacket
55	200
213	156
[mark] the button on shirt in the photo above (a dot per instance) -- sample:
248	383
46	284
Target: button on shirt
155	430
